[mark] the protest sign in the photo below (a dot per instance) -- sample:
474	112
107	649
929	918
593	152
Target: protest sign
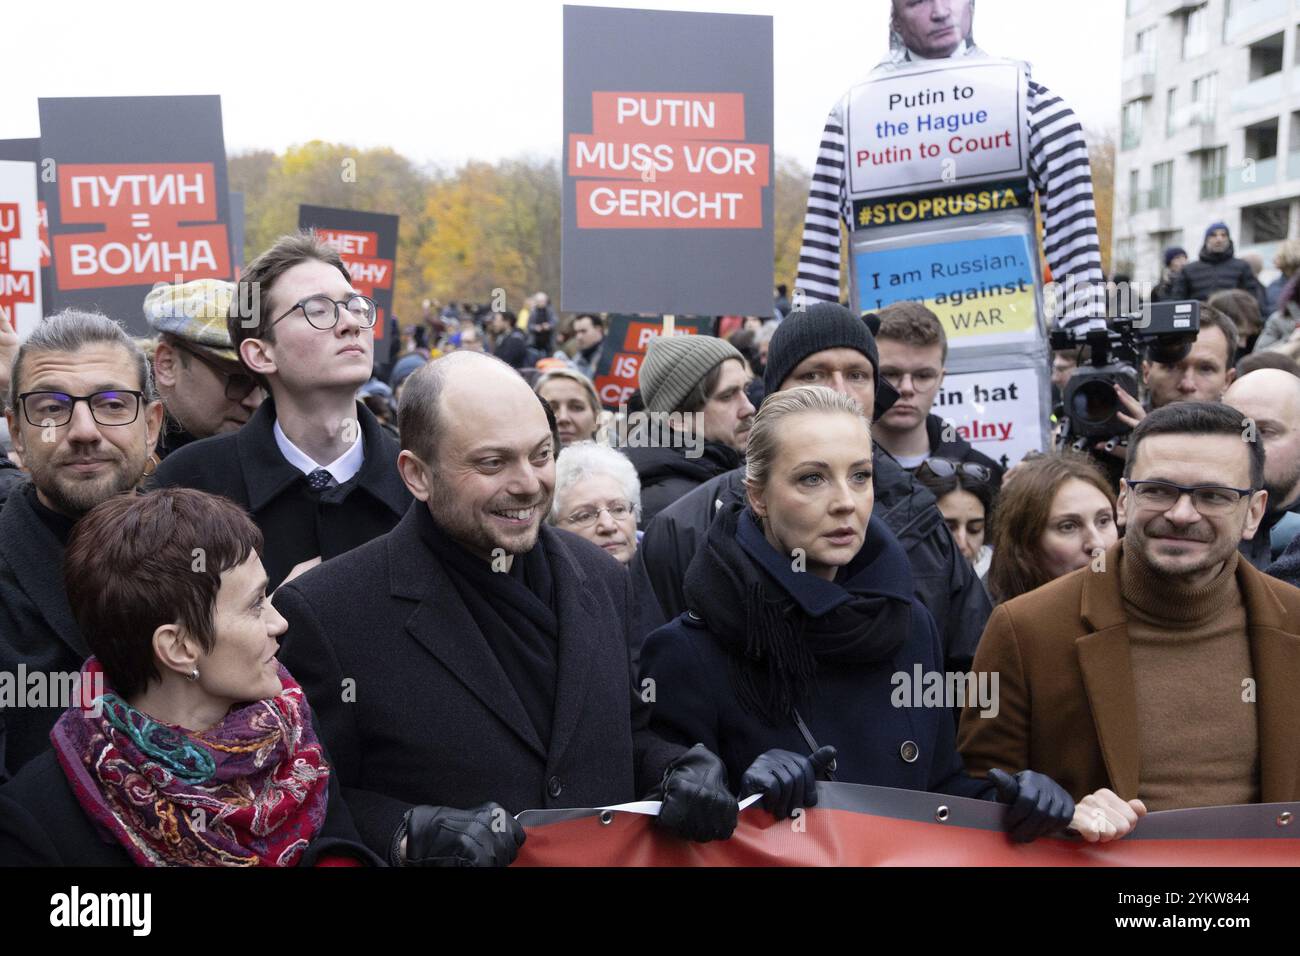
626	338
237	232
367	242
20	249
28	152
668	162
999	411
137	195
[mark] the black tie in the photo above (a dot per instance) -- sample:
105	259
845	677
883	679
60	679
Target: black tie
319	479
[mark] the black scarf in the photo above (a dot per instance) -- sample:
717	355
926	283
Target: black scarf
515	612
781	625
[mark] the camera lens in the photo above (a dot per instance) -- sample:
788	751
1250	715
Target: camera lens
1094	402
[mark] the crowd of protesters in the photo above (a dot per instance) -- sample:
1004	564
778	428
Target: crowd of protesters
338	610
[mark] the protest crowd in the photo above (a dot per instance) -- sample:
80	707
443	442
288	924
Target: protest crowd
343	600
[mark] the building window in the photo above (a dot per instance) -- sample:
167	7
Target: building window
1265	57
1134	191
1265	223
1196	33
1132	125
1162	185
1214	165
1204	90
1171	110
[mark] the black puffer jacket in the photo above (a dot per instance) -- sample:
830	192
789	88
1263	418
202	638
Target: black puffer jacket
667	474
1213	272
942	579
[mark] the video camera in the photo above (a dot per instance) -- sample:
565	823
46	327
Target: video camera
1166	330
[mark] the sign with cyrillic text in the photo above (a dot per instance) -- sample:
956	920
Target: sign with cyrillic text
367	243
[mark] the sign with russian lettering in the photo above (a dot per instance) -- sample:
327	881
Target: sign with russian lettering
626	338
28	152
936	127
138	195
20	248
984	290
1001	412
668	204
367	242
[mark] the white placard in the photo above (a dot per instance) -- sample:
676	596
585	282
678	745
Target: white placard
1000	412
20	247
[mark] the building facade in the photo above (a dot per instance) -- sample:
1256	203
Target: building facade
1209	129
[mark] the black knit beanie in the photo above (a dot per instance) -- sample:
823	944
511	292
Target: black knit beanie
825	325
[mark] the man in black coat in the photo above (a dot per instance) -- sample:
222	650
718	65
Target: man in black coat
1216	269
474	663
827	345
508	343
81	444
312	466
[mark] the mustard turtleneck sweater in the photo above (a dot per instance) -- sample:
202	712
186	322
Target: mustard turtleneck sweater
1198	740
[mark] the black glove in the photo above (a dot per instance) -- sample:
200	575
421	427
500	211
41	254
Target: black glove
786	780
445	836
697	803
1038	805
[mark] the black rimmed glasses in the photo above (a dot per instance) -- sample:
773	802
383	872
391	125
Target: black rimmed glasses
238	384
115	406
323	312
1156	495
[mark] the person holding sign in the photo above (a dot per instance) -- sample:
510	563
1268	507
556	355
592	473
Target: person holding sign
934	142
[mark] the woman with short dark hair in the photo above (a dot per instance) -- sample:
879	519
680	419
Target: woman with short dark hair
190	744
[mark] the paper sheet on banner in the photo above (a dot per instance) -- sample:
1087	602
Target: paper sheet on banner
999	412
20	247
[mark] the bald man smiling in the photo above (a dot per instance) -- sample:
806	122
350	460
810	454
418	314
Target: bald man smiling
1269	399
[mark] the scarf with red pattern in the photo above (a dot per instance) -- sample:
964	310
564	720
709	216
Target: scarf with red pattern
250	791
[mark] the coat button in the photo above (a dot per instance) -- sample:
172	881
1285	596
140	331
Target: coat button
554	787
909	751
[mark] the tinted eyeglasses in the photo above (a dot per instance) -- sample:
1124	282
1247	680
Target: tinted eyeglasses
947	467
238	384
110	407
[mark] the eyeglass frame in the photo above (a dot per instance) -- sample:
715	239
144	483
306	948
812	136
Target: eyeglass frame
967	469
374	311
631	510
213	364
915	386
1189	491
46	423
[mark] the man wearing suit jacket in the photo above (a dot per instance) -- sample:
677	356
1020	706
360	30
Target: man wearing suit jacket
474	662
312	466
1165	674
84	415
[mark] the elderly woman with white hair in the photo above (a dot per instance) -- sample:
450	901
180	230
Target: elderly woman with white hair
598	497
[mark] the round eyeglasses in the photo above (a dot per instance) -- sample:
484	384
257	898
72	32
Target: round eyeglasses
323	312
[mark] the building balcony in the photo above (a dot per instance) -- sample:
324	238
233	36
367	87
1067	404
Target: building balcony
1139	76
1264	92
1251	174
1247	16
1193	126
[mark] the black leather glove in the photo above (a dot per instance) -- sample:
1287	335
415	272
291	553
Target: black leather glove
697	803
786	780
445	836
1037	804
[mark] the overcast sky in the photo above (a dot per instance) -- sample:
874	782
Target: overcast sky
442	82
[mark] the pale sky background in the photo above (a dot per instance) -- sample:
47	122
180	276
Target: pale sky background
442	82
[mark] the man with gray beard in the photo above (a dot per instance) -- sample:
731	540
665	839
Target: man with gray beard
84	417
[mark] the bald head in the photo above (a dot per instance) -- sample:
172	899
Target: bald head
1269	400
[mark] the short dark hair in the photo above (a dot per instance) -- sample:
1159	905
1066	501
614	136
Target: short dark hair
137	562
1239	305
1197	418
248	318
942	486
1269	358
596	321
912	324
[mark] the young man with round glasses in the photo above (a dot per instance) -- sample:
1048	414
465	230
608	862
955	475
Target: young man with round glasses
84	417
913	349
1164	673
203	385
313	466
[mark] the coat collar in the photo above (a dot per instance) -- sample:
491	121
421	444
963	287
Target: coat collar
267	473
35	558
1107	668
442	625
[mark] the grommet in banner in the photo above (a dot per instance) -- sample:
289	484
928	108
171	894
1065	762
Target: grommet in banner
606	817
1284	818
909	751
941	814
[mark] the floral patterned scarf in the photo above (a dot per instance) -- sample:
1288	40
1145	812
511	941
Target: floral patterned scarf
250	791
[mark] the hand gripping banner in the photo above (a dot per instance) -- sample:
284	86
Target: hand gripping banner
876	826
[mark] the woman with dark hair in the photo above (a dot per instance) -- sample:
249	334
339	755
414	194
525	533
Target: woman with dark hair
189	744
1055	516
802	616
965	495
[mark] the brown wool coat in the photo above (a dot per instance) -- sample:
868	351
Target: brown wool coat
1067	706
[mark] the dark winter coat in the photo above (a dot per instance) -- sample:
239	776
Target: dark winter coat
667	474
298	524
415	708
1213	272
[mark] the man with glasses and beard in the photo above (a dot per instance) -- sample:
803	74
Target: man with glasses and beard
313	467
84	417
1165	672
204	388
484	656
